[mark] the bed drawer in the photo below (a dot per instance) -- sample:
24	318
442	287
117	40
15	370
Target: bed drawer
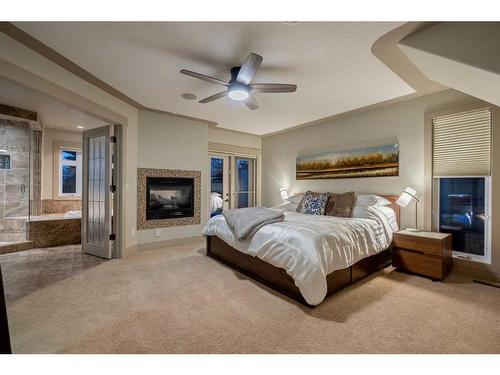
418	262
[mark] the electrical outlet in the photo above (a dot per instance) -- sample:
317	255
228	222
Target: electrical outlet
157	232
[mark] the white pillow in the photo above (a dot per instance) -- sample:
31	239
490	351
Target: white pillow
359	211
367	200
295	198
287	206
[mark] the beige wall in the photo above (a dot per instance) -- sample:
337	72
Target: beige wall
403	123
233	138
169	142
48	138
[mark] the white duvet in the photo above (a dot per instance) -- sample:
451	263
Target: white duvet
309	247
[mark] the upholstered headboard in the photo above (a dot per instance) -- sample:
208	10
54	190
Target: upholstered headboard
394	206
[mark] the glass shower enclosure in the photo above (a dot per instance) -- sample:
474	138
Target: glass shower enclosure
20	160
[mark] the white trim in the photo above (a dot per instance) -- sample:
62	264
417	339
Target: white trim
78	171
56	169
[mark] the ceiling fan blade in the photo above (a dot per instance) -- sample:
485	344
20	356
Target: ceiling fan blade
214	97
249	68
251	102
204	77
272	87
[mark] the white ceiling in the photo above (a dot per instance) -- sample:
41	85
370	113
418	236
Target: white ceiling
331	62
51	113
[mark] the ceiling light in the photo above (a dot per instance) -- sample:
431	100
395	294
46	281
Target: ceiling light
80	127
238	94
238	91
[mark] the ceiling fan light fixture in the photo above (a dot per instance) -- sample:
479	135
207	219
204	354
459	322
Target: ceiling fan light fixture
241	86
238	93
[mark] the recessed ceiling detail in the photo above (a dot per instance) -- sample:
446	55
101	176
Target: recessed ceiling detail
51	113
189	96
331	63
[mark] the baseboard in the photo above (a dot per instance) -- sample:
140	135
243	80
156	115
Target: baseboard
477	271
131	250
168	243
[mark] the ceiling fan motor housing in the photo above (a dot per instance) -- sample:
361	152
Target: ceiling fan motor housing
234	73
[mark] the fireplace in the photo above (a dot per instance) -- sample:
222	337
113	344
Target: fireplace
169	197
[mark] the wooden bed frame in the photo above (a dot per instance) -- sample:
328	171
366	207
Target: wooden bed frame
277	278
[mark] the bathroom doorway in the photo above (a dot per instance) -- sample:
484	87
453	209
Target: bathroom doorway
43	179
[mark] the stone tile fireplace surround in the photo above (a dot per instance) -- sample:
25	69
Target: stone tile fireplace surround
190	216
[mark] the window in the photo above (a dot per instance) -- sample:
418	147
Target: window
216	175
462	182
70	172
464	205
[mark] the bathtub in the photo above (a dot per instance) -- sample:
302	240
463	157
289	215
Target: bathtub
55	229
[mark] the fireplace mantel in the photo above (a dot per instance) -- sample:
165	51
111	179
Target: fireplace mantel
142	198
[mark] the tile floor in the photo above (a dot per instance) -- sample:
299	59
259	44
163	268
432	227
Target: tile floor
29	270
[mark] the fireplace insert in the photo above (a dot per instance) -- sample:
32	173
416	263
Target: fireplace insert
169	197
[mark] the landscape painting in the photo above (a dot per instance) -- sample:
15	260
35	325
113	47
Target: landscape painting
361	162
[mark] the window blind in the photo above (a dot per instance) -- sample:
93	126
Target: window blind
462	144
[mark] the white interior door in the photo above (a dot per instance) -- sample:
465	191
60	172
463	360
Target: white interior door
219	181
97	202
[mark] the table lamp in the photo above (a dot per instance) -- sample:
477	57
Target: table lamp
407	196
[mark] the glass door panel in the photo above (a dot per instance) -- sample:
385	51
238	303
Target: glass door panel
219	184
97	195
244	182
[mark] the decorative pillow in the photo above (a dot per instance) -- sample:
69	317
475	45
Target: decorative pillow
368	200
314	203
341	205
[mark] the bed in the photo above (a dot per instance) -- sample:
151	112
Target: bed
283	256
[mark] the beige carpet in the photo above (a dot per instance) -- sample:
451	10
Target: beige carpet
176	300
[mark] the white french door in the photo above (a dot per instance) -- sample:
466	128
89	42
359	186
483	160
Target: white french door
232	182
98	192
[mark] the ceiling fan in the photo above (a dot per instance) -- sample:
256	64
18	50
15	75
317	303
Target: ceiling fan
240	87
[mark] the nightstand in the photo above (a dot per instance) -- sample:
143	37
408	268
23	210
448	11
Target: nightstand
424	253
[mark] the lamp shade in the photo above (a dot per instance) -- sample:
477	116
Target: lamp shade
407	196
284	193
